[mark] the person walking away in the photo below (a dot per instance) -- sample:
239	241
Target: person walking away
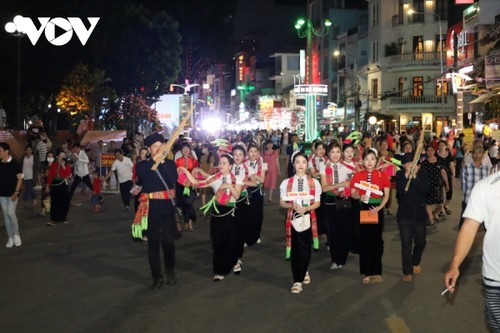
472	173
123	166
28	164
57	181
411	215
155	216
10	186
482	208
271	158
300	236
81	164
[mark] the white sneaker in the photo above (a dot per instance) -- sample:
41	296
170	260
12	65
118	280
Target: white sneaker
259	241
17	240
10	243
335	266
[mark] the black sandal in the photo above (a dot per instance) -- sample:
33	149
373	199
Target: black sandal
447	210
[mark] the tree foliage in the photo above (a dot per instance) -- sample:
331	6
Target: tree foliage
131	113
84	91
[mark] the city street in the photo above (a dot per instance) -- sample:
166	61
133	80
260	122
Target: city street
88	276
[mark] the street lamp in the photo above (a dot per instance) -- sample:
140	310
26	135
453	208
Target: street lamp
441	59
15	28
306	29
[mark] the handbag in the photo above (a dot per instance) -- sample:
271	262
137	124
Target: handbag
342	203
46	204
368	217
301	222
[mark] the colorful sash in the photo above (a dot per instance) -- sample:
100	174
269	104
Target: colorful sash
222	197
141	216
288	223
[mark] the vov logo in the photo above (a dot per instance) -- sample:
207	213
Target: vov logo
68	26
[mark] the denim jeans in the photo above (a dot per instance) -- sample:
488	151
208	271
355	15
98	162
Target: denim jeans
9	215
29	191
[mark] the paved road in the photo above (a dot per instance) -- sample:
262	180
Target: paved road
89	277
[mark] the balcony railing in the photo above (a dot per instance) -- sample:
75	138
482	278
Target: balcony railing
415	57
406	100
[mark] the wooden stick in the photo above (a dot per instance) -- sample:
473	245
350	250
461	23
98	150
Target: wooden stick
416	157
166	148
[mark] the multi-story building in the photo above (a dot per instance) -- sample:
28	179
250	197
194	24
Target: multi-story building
406	67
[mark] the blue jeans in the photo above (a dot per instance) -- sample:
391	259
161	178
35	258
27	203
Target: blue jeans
29	191
9	215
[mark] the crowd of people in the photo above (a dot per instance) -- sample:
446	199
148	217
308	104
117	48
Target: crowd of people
341	190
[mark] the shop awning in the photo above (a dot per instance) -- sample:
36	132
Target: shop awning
94	136
482	99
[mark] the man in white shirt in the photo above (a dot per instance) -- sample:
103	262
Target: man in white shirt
81	169
482	207
123	167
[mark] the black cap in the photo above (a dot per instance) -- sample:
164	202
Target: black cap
151	139
408	157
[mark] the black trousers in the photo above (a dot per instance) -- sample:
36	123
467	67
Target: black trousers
76	181
339	228
252	225
241	217
161	230
354	222
186	203
223	234
300	255
412	233
59	205
321	216
125	188
371	245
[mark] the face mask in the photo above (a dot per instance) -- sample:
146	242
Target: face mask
50	159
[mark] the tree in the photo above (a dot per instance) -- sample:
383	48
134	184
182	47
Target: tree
492	109
131	113
83	91
140	50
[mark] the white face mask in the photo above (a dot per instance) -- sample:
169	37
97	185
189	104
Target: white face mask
50	159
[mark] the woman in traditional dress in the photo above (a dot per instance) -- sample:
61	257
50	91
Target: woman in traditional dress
348	153
44	172
300	236
271	158
57	180
242	174
386	164
335	177
371	243
315	165
184	192
257	172
223	228
207	161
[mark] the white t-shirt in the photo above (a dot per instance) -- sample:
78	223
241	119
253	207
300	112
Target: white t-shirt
123	169
305	188
28	167
483	207
82	164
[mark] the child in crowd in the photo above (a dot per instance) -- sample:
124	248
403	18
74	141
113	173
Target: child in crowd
97	199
